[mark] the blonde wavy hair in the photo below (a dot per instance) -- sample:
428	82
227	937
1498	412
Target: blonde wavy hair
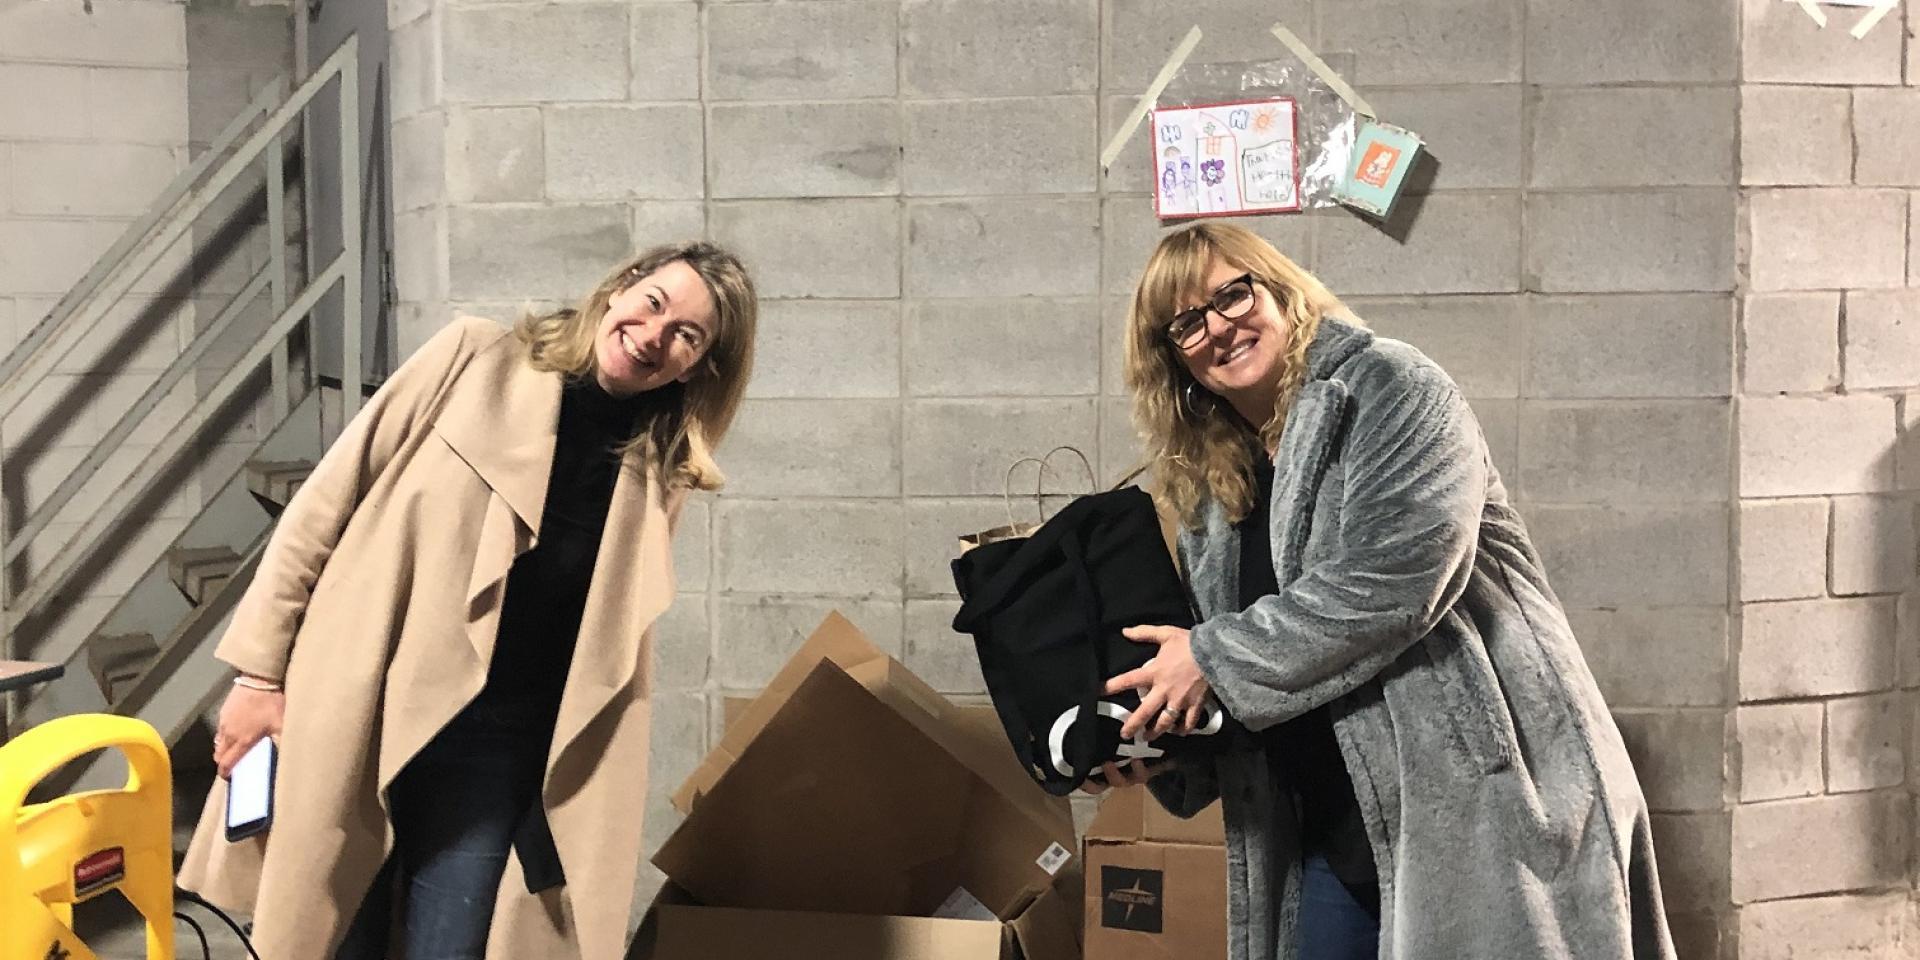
681	423
1204	450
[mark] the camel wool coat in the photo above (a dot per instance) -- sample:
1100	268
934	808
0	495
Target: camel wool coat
378	600
1503	811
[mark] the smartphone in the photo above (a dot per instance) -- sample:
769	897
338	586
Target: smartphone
250	792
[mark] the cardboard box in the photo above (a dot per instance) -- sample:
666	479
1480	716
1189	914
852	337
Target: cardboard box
1156	885
851	811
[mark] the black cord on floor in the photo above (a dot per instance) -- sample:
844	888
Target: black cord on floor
191	897
206	952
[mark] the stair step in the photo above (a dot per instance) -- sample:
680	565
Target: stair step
199	572
274	481
117	660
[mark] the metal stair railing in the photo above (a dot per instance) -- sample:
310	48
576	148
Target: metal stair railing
68	325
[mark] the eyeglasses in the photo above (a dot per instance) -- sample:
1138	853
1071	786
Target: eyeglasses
1231	301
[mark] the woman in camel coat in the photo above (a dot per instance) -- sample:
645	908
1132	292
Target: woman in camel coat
416	600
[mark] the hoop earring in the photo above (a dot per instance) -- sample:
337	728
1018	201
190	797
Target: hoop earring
1187	403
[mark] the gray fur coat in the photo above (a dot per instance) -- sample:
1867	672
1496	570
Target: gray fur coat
1503	812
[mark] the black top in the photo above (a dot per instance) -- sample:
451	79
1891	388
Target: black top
547	586
1304	747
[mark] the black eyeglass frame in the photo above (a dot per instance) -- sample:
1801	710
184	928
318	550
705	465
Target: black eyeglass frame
1189	326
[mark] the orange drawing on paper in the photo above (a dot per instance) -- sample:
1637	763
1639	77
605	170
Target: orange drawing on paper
1376	166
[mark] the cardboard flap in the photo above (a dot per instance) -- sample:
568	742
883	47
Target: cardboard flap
717	933
843	804
1049	929
836	640
1132	814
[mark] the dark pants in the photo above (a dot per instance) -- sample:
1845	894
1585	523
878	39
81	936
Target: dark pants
455	807
1337	922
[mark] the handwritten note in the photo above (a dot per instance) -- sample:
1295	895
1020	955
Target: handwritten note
1226	159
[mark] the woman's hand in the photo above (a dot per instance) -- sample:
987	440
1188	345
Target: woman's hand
1173	694
1131	774
246	716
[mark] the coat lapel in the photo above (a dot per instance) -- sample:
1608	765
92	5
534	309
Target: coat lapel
503	424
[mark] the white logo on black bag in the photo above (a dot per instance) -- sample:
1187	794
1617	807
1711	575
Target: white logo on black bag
1136	749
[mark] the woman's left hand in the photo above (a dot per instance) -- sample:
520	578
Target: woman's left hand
1173	691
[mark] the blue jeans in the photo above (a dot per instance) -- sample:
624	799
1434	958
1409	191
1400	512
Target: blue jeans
1336	922
455	807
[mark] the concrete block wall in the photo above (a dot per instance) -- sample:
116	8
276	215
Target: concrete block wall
1822	831
93	125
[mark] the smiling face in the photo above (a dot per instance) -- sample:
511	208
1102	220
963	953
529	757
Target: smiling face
655	332
1240	358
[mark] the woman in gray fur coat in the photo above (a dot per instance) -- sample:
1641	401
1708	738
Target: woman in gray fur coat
1432	772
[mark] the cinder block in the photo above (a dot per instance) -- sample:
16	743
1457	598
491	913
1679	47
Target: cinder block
1428	41
1643	556
934	529
118	34
1862	843
805	150
1646	452
400	12
1629	345
946	660
1795	136
420	257
1129	232
666	51
1790	343
679	737
1634	136
1680	756
990	348
1913	230
418	147
1121	447
1866	742
1025	145
1780	750
135	106
1873	545
682	644
1868	926
815	448
964	447
1473	132
833	548
1793	446
999	48
416	69
91	179
624	152
802	51
1664	657
693	545
1783	549
1457	243
49	256
25	91
1693	850
814	248
757	635
557	252
1826	239
494	153
1003	248
1907	456
1472	338
827	348
1132	169
669	221
1680	240
1778	44
1141	34
1816	648
1883	338
1631	40
522	54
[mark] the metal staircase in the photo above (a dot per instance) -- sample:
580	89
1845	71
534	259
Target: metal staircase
150	655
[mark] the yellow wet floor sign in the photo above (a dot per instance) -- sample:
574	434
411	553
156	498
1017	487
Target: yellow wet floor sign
72	848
